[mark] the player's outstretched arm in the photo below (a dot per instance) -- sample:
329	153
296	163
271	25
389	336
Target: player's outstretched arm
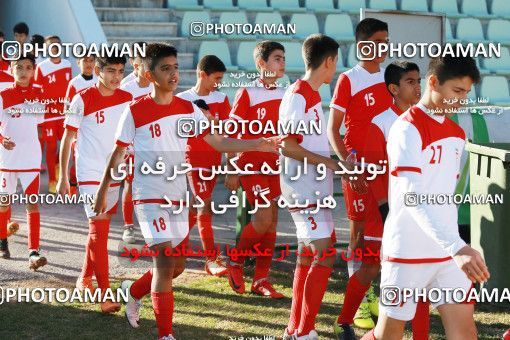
115	159
223	144
63	186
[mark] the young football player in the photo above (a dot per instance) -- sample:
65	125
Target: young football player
20	153
421	245
92	120
203	157
259	101
157	138
360	94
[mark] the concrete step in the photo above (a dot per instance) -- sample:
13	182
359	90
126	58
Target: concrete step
129	3
133	14
139	29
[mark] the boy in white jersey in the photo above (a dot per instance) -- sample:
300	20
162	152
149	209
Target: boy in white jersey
402	79
260	101
314	231
155	138
203	157
138	87
421	245
20	152
92	119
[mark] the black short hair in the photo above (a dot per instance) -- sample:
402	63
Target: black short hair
103	61
49	37
21	27
157	51
449	67
37	41
2	34
26	56
368	27
396	70
264	49
211	64
317	48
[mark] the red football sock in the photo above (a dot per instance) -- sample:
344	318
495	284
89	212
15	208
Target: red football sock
249	237
421	321
127	208
370	335
142	286
34	229
313	292
353	297
192	219
99	251
4	217
298	285
51	159
263	263
163	304
206	232
87	270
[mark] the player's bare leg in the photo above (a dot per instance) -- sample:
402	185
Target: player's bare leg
12	226
458	321
265	223
386	329
161	289
35	260
214	265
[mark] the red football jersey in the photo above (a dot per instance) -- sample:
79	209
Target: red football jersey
54	79
360	95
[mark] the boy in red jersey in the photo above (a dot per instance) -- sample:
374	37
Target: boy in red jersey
203	157
53	75
92	119
155	137
360	93
314	228
20	154
259	102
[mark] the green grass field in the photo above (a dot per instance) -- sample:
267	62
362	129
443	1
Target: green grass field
205	308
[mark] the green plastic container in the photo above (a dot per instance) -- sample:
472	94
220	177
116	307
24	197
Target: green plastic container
490	223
